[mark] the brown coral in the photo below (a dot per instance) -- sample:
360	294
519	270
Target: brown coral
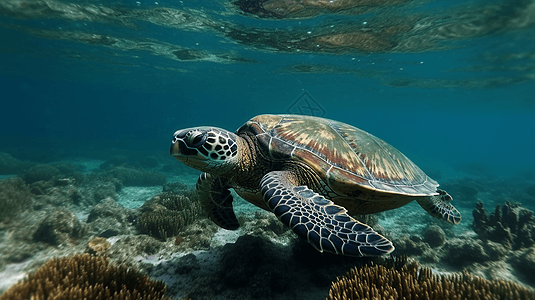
98	246
412	282
167	213
84	276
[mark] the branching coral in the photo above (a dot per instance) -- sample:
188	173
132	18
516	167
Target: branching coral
409	281
160	224
165	214
509	224
84	276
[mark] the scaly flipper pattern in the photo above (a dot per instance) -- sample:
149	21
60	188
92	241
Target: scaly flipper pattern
439	206
323	224
216	200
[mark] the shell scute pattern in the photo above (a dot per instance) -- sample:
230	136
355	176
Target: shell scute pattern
344	155
383	161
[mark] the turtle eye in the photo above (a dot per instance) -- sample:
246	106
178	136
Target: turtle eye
198	140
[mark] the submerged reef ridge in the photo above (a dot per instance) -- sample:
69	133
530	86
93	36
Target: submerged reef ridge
409	281
166	214
84	276
509	224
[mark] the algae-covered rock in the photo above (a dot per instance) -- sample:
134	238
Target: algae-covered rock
434	236
463	252
15	197
59	227
254	265
525	264
110	218
509	224
10	165
40	173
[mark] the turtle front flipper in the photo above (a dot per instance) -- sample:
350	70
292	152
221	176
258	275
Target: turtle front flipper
323	224
216	200
439	206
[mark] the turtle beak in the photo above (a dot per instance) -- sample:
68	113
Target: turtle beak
187	155
175	149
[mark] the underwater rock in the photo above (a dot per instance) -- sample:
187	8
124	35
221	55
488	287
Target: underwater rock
40	173
255	267
495	251
110	218
15	197
96	187
10	165
463	252
263	223
98	246
68	169
198	236
434	236
509	224
187	264
410	245
59	227
524	262
128	247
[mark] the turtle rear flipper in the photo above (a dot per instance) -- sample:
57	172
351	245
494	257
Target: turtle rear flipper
216	199
323	224
439	206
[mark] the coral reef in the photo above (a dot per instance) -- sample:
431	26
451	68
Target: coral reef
98	246
109	218
509	224
59	227
85	276
249	261
434	236
525	264
10	165
95	187
166	214
409	281
15	197
160	224
40	173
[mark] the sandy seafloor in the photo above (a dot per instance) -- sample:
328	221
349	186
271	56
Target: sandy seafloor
208	259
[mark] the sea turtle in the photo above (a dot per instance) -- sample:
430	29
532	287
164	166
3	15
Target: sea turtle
313	173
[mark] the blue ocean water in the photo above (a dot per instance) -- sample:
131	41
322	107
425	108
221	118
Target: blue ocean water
448	83
456	87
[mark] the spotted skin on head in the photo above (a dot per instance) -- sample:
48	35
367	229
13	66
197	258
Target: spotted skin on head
211	143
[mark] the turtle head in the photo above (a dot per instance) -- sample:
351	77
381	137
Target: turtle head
208	149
